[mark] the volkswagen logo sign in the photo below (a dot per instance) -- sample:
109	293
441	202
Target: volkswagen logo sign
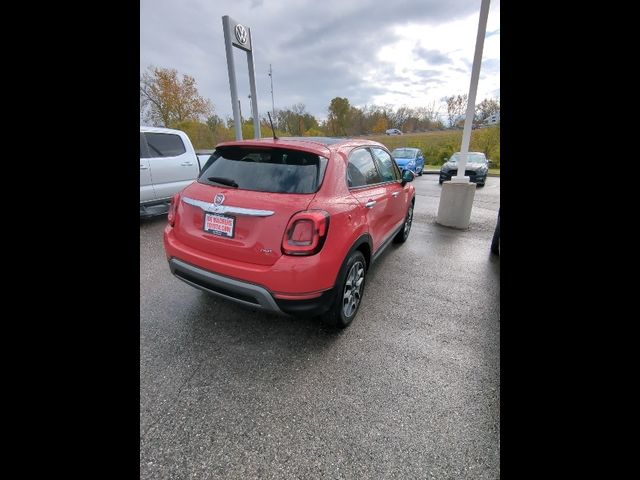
241	33
219	198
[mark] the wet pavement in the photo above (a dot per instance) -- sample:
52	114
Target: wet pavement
409	390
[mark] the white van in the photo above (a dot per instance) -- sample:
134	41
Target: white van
168	163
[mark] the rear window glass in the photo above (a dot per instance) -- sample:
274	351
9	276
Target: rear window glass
273	170
164	144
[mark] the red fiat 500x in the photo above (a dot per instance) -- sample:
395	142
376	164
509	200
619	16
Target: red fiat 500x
290	225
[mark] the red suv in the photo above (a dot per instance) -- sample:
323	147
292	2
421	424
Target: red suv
290	225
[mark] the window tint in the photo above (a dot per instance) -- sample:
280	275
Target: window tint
143	147
274	170
385	165
361	169
164	144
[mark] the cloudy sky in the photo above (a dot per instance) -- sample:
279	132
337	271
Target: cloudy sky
382	52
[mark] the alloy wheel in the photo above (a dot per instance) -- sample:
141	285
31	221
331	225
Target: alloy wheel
353	289
408	221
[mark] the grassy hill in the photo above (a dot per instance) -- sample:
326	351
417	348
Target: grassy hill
439	145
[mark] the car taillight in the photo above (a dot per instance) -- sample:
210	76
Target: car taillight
305	233
173	206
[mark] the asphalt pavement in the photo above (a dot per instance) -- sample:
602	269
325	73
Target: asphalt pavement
410	390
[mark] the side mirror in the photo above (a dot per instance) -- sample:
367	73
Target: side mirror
446	159
407	176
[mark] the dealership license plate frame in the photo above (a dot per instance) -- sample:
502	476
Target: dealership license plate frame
219	232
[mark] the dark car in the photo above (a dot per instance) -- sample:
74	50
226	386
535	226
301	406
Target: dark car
476	169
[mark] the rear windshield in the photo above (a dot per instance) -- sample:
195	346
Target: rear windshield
273	170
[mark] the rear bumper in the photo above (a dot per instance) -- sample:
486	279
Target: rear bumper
245	293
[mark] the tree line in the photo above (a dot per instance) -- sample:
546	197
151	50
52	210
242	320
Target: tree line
170	100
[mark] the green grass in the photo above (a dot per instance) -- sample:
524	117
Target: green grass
439	145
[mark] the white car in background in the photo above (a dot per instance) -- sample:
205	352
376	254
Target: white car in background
168	163
393	131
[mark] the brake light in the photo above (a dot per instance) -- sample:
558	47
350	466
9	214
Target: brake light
173	206
305	233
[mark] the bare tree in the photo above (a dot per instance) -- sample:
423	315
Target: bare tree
456	108
486	108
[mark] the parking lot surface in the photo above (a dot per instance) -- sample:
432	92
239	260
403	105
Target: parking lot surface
410	390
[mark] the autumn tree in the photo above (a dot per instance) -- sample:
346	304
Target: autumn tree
356	121
338	116
295	120
380	126
166	99
214	122
199	133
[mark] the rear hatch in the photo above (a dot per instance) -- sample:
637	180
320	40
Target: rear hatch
247	222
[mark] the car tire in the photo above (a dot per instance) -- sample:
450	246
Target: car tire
495	241
440	182
351	283
403	234
420	172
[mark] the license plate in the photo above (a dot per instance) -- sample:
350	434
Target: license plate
220	225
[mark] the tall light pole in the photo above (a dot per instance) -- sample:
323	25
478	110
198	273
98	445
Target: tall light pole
273	105
456	198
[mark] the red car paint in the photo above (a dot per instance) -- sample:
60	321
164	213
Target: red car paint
258	254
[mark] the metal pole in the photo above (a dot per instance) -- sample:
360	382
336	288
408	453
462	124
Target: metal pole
273	105
232	77
473	88
254	95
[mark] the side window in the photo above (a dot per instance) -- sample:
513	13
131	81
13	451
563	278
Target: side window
361	169
144	153
386	165
164	144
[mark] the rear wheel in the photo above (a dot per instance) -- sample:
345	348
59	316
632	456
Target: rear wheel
403	234
350	285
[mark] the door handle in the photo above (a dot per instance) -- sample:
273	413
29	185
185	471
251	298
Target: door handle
370	204
187	164
143	167
395	194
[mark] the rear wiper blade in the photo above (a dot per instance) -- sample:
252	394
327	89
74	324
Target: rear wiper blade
223	181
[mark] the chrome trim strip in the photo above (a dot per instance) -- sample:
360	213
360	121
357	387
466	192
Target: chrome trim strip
227	209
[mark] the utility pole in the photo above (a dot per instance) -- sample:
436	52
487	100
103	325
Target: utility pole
273	107
456	197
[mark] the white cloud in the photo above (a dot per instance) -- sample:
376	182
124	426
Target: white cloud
453	40
419	51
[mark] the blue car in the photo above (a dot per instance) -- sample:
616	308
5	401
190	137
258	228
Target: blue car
409	159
